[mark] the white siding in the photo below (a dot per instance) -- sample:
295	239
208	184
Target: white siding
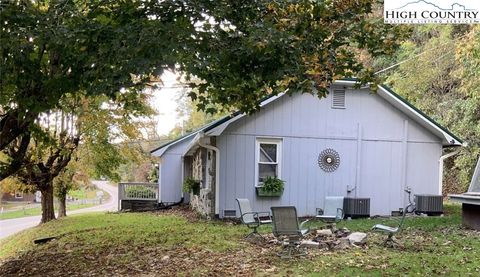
307	125
380	177
422	168
171	177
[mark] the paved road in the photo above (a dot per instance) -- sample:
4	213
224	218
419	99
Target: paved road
11	226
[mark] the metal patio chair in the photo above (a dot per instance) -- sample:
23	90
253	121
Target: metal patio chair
286	227
332	211
253	220
391	231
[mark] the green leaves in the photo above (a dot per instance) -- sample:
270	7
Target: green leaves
269	47
443	82
242	51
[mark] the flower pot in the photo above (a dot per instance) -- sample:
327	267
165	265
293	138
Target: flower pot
263	193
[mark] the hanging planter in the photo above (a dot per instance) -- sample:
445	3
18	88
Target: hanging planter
263	193
191	185
272	187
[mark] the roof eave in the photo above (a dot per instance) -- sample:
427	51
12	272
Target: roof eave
448	139
218	130
160	150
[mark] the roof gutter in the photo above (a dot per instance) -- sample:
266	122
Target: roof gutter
440	169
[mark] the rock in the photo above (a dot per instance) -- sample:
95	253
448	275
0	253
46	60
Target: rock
165	258
342	243
333	227
309	244
357	238
345	230
324	244
271	269
273	241
324	233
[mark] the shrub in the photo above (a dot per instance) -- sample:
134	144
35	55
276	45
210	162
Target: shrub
191	185
273	184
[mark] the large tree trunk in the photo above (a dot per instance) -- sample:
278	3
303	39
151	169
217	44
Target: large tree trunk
48	212
62	208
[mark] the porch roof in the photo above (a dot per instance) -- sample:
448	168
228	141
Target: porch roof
210	126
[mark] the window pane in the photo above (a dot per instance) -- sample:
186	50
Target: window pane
268	153
265	170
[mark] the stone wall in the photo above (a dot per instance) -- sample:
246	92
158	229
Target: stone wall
198	165
204	203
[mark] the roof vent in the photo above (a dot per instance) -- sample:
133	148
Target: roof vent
338	99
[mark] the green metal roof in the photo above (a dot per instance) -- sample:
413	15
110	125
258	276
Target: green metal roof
224	119
205	127
403	100
421	113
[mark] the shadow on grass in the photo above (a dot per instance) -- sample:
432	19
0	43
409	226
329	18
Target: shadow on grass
179	244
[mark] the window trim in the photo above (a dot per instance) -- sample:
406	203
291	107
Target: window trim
268	140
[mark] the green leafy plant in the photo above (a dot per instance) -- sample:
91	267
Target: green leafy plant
140	192
273	184
191	185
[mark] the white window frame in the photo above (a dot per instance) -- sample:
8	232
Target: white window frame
263	140
19	193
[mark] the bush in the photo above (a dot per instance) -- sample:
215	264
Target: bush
273	184
140	192
191	185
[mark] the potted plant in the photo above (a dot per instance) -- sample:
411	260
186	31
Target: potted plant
191	185
272	187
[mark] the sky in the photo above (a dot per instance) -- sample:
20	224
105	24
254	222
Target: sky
164	101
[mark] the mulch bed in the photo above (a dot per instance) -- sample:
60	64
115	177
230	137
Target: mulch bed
182	211
57	259
148	262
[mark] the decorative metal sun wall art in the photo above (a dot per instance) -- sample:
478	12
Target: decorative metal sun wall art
329	160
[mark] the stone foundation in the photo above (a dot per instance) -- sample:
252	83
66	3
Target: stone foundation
204	203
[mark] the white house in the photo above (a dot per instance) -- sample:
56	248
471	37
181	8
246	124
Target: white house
378	145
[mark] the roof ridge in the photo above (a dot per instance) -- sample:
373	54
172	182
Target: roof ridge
213	124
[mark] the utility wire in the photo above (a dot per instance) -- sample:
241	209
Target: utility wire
420	54
416	56
397	64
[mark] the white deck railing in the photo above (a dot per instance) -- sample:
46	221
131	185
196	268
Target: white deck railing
137	191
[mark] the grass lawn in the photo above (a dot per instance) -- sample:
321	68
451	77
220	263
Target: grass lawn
13	205
83	193
38	211
175	242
